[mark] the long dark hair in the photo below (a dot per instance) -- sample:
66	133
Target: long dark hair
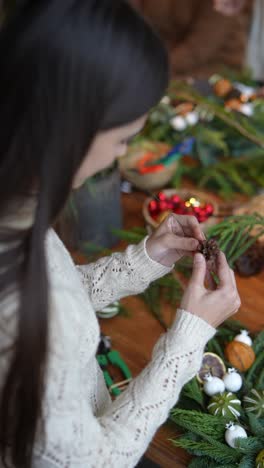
68	69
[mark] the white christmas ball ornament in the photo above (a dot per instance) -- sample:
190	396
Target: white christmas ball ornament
192	118
233	432
213	385
244	337
247	109
165	100
232	380
178	123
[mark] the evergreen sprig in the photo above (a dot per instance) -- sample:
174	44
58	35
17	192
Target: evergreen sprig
226	177
199	423
215	450
182	91
234	234
202	433
234	237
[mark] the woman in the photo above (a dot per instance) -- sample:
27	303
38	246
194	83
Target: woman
76	81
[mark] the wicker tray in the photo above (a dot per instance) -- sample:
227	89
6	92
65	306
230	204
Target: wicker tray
184	194
151	181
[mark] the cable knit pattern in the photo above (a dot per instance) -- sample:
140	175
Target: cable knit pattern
82	427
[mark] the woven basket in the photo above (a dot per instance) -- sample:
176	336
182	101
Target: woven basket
151	181
184	194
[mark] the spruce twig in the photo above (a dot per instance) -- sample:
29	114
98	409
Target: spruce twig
186	93
228	230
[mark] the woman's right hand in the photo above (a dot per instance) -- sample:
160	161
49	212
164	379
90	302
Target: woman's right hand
213	306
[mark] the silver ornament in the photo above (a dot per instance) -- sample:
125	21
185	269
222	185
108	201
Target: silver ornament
213	385
192	118
232	380
178	123
233	432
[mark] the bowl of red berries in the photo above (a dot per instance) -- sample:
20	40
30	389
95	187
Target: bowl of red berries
182	202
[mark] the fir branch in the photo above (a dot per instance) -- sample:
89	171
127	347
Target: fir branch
227	231
248	461
213	346
227	176
199	423
259	382
258	343
221	453
256	425
254	369
250	446
206	462
232	325
180	90
193	391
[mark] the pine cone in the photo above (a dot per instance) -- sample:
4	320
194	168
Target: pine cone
252	261
210	250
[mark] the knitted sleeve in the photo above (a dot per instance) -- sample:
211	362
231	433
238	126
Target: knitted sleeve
79	436
120	275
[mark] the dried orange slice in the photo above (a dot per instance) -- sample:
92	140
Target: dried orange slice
213	364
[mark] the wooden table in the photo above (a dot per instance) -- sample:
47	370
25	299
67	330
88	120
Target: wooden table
136	335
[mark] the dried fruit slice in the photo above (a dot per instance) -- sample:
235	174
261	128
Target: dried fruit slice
212	364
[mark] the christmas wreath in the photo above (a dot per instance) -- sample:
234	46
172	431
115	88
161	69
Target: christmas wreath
220	413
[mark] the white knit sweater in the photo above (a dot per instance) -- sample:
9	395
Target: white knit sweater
83	428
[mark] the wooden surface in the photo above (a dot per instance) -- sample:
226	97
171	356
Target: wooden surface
136	335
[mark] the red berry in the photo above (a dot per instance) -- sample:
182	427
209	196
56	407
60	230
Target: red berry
170	205
162	196
175	199
163	205
153	206
209	209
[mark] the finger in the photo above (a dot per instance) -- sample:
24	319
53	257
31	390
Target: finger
233	278
210	283
235	288
223	271
199	270
190	226
169	224
175	225
179	243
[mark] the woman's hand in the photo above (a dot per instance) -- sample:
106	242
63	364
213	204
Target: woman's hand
213	306
176	237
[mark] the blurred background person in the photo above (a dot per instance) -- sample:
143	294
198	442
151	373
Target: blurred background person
255	48
200	38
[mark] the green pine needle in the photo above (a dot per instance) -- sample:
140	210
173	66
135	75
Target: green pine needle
219	452
258	343
256	425
254	370
233	234
250	446
248	461
199	423
193	391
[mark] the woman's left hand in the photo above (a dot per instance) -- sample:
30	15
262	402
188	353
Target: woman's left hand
176	237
